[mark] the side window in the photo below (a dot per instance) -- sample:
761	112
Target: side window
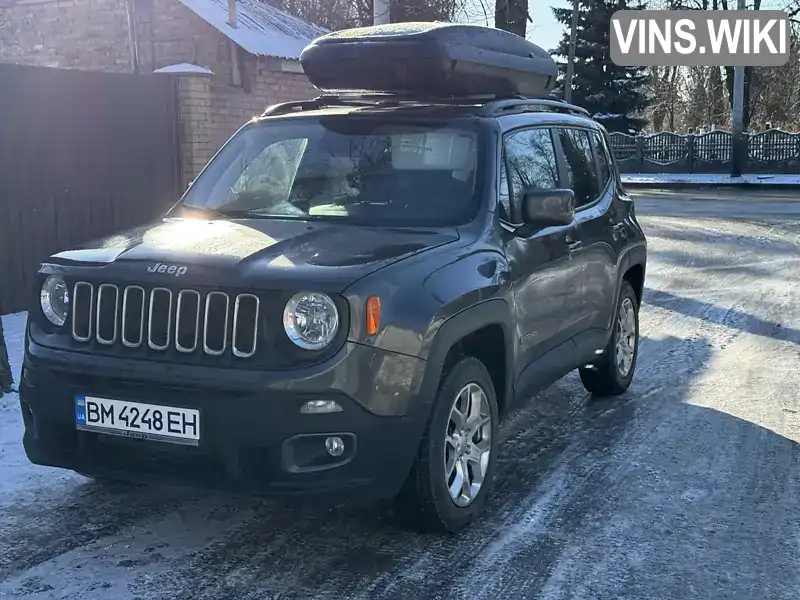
531	163
581	172
601	151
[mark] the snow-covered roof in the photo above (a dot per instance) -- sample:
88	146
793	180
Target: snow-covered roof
184	69
261	29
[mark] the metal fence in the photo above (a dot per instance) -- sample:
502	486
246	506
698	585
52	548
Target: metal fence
772	151
82	155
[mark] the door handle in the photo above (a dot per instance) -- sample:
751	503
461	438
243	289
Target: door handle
574	246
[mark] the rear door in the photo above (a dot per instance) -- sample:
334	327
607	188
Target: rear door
588	172
546	278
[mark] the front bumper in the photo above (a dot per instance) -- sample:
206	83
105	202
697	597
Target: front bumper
253	439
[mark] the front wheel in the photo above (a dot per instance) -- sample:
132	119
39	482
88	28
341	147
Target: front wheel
450	480
613	372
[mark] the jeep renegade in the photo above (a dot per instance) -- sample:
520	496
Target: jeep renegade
344	304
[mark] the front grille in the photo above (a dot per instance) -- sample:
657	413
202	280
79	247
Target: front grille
188	321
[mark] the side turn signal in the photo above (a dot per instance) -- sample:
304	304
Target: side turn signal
373	315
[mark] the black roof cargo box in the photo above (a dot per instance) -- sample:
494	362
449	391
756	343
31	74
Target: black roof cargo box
429	60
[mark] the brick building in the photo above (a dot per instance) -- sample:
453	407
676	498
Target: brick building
231	58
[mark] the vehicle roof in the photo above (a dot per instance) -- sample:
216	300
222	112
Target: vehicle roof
506	119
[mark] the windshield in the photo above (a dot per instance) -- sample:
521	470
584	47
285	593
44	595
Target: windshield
344	168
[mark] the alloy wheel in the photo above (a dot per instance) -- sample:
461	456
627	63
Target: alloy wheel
626	337
467	444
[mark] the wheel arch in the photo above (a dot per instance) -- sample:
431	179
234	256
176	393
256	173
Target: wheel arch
475	331
633	267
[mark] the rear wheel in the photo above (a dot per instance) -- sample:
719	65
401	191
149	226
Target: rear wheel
613	372
450	480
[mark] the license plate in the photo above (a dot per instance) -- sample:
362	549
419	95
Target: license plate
138	420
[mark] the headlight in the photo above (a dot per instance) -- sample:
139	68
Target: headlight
54	299
311	320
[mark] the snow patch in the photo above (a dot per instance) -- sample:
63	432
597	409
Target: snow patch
260	29
184	69
489	574
709	178
16	471
14	334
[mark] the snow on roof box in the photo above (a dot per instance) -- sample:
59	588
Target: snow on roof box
434	60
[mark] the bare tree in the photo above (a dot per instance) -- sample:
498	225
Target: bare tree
512	15
342	14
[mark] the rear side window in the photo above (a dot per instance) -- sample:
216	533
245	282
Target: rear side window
601	151
530	160
581	172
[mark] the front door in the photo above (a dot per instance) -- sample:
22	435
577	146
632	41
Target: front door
546	275
588	174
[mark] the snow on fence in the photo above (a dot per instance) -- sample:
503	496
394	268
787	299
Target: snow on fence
772	151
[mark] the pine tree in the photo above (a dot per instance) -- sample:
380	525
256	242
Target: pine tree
612	94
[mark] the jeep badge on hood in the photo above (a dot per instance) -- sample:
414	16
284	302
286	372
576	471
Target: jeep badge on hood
176	270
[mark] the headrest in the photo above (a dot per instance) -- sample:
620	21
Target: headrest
441	150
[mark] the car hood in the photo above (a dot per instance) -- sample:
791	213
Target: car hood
268	253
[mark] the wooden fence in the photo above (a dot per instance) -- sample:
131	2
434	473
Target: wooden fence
82	155
772	151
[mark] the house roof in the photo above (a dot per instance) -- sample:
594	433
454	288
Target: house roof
261	29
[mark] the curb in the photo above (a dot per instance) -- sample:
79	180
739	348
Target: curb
706	185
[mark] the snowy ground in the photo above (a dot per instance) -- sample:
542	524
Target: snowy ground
686	487
709	179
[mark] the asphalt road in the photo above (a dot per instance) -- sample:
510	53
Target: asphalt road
685	487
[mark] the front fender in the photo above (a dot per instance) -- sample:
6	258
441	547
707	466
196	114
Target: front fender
446	333
417	296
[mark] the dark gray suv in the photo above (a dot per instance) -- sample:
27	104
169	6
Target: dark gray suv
343	305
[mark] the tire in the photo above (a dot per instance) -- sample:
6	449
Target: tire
606	377
425	501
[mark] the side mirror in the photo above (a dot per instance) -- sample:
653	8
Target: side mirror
546	208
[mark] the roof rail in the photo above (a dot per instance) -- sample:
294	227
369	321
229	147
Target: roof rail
330	100
287	107
490	105
500	106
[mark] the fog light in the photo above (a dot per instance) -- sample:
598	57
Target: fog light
320	406
334	446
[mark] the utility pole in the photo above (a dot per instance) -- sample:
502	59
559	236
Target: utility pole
573	33
381	14
235	68
738	149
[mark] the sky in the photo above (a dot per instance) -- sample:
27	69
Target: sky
546	31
